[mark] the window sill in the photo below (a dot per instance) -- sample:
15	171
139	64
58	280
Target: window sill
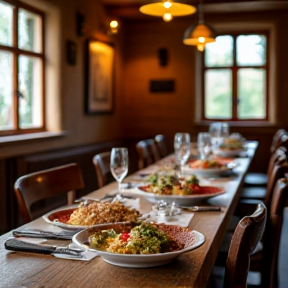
31	136
241	123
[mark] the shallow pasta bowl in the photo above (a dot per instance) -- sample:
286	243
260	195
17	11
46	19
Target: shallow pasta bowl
211	171
208	192
190	238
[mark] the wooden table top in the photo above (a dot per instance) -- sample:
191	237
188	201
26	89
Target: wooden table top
191	269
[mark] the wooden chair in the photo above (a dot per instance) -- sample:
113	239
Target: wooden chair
153	150
147	153
101	163
265	259
161	145
261	179
245	238
277	167
45	184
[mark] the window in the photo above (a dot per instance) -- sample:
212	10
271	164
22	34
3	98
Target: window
236	78
21	68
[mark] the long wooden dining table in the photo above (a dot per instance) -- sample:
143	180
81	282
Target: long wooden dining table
191	269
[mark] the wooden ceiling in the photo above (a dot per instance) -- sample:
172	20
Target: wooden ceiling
129	9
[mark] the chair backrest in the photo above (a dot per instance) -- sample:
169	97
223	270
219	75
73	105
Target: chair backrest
271	239
153	149
276	172
245	238
101	163
30	188
147	153
161	144
279	137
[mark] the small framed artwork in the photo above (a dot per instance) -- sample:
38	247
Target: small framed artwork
71	52
99	77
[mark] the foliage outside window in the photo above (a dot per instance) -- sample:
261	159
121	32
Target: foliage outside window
236	78
21	68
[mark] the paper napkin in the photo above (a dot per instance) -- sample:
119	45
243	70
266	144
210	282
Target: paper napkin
180	219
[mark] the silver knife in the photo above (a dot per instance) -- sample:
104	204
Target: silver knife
18	245
200	208
36	233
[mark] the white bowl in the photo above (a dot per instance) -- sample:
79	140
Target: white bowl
139	260
179	199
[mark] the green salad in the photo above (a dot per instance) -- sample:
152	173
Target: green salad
145	238
172	184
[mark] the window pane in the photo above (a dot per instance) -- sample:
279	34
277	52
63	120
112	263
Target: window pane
219	53
251	50
29	32
6	91
6	17
30	87
218	94
251	93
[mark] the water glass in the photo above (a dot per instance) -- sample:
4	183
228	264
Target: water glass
182	144
204	145
119	167
218	131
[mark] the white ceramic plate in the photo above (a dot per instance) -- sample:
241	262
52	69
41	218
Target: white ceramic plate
207	172
57	217
136	260
181	200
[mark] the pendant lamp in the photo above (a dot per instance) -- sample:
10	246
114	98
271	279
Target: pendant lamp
199	34
167	9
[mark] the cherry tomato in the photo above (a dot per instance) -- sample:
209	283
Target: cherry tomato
124	236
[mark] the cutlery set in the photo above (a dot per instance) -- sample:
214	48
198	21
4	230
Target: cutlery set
200	208
36	233
22	246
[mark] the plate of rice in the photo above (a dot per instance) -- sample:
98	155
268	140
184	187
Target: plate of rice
81	216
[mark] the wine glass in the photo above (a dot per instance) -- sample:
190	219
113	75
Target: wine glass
182	148
119	167
204	145
218	131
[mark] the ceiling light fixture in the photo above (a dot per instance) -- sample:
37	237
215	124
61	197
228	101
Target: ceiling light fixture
167	9
114	25
199	34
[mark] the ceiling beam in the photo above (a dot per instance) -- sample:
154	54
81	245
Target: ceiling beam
129	9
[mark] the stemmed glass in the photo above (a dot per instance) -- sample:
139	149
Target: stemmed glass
182	148
204	145
119	167
218	131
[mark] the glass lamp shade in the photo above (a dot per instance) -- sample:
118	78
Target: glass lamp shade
199	35
167	7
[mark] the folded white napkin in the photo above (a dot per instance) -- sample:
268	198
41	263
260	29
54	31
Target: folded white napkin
87	255
132	203
180	219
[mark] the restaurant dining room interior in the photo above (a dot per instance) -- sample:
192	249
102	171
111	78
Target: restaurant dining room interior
80	77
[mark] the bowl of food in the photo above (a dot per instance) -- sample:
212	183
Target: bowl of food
173	188
230	147
139	244
87	215
209	167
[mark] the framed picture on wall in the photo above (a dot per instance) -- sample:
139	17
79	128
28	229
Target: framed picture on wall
99	77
